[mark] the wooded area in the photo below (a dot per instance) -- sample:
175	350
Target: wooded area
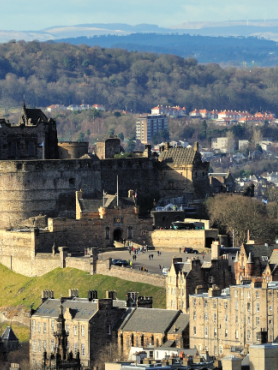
49	73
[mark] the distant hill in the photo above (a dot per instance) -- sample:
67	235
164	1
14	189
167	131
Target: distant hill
206	49
267	29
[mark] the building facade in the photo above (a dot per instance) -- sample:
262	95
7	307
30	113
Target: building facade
148	125
225	322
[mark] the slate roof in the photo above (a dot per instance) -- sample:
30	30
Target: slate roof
35	114
178	156
180	324
110	201
9	334
81	309
258	250
150	320
226	250
274	257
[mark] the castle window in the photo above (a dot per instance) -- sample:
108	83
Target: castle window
107	233
72	182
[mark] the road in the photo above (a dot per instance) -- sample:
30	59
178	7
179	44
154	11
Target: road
142	259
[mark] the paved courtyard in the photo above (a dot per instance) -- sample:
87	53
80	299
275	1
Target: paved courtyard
152	265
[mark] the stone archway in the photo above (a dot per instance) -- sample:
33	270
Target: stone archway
117	235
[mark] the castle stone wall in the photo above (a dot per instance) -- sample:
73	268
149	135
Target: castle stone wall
30	188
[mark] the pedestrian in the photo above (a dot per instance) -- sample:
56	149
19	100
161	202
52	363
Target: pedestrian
135	257
129	251
131	264
203	255
158	253
180	250
159	267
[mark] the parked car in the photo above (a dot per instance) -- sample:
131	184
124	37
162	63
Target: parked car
119	262
190	250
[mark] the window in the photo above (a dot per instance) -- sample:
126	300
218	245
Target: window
214	317
215	332
39	346
44	327
72	183
52	345
82	330
52	326
248	306
225	305
206	303
257	295
236	306
258	337
44	345
248	294
248	334
257	320
265	258
214	304
257	307
226	333
83	349
220	350
226	318
236	319
194	315
108	329
39	327
236	334
235	292
75	348
34	346
248	320
75	330
206	317
215	350
194	330
206	332
67	328
34	325
194	302
107	232
270	308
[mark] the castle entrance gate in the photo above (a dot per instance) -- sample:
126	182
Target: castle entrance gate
118	235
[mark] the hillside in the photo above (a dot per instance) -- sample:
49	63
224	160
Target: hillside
227	50
16	289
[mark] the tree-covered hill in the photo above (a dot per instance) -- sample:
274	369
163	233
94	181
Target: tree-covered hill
50	73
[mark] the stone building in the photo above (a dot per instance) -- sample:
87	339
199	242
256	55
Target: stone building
225	322
182	171
184	277
256	260
153	328
33	137
72	328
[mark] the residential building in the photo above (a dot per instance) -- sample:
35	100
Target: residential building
205	113
74	325
225	322
55	107
256	260
175	111
222	182
153	327
223	144
184	277
98	107
148	125
195	113
243	144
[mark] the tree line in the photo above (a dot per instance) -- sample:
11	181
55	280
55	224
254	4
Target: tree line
60	73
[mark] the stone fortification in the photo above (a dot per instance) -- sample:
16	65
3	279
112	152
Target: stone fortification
72	150
175	239
30	188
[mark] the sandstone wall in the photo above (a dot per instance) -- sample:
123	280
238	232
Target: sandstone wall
175	239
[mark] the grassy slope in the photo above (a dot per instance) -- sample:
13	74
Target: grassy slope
16	289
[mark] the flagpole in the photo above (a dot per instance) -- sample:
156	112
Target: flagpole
117	191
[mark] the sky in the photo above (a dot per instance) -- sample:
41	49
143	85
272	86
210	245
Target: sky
40	14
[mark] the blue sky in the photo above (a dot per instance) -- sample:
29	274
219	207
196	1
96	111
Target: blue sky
40	14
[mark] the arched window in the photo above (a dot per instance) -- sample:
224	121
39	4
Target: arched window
152	340
132	340
142	340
